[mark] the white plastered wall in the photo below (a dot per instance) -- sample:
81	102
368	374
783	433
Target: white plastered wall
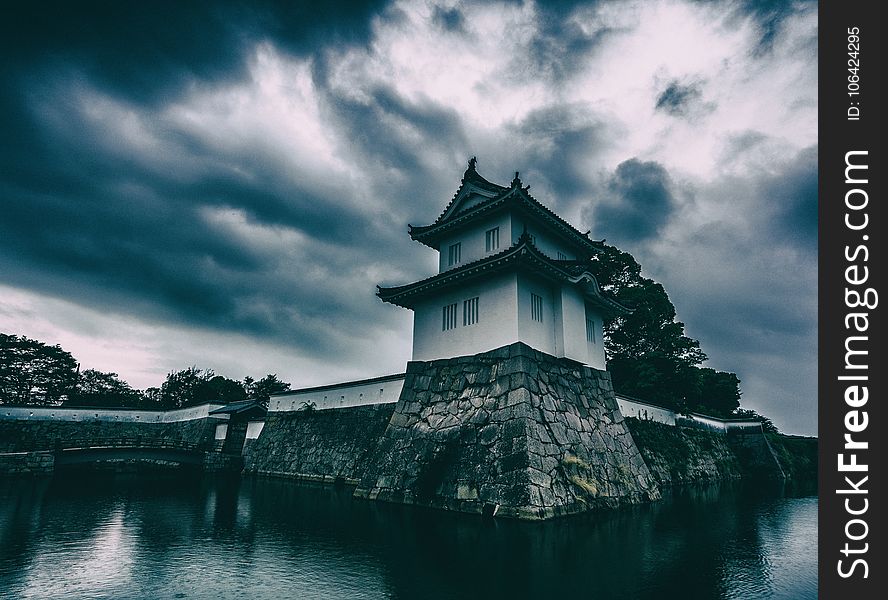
496	326
474	242
543	240
540	335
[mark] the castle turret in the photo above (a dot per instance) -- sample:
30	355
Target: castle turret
510	270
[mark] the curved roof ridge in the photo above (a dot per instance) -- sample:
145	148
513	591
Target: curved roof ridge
501	194
472	176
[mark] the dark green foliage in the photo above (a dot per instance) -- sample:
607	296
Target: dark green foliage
33	373
677	455
719	392
261	390
193	386
797	455
747	413
95	388
656	377
649	355
36	374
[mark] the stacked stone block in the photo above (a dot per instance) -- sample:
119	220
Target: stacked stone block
318	445
512	432
677	456
27	436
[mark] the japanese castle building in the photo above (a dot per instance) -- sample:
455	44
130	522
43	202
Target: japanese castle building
510	270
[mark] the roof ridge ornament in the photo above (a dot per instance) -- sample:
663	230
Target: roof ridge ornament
516	183
472	162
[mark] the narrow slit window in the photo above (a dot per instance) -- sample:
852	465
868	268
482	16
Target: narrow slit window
536	308
491	239
590	331
470	311
448	317
562	256
455	254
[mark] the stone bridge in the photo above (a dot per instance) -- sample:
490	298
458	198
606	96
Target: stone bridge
35	440
180	452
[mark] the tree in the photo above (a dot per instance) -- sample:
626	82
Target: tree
649	355
719	393
33	373
263	389
95	388
193	386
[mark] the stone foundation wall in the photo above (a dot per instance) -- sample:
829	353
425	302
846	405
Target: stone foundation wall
513	432
676	455
757	457
320	445
26	436
26	463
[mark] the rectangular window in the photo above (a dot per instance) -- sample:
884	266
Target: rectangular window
470	311
455	255
590	331
448	317
533	239
491	239
536	308
562	256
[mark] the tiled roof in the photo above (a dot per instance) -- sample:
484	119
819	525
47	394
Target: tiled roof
453	218
240	406
525	255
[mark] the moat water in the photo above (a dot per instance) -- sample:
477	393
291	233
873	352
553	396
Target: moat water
150	536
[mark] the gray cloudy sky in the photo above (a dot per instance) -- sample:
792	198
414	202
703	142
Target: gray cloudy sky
223	184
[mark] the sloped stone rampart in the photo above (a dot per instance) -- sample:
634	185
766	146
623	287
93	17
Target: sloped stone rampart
757	457
513	432
29	436
677	456
319	445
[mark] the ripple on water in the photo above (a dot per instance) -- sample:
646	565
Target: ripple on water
172	537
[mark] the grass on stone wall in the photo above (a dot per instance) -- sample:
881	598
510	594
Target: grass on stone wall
797	455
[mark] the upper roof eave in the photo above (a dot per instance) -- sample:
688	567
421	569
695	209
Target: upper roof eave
524	249
430	235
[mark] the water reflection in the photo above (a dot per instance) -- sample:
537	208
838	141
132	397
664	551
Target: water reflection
97	536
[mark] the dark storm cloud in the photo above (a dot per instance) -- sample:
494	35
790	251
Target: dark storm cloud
769	17
158	257
642	202
450	19
104	222
786	190
396	133
556	145
752	304
147	51
793	195
560	43
683	100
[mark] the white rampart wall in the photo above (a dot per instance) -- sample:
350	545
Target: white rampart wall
631	407
382	390
645	411
386	390
50	413
704	422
